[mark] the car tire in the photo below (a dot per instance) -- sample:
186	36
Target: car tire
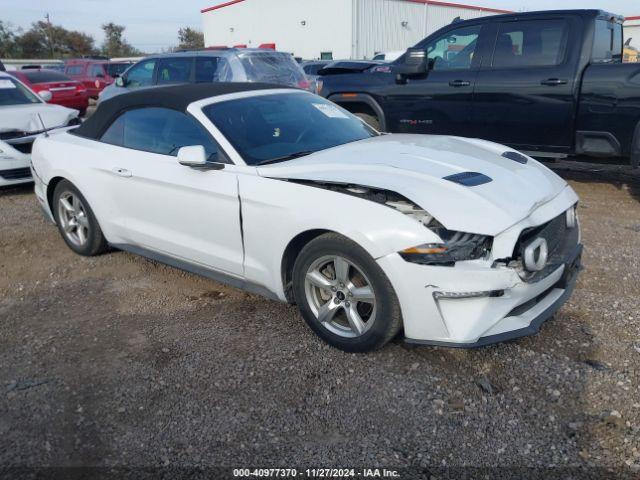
370	120
76	221
356	308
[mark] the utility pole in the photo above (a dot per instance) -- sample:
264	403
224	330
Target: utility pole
50	35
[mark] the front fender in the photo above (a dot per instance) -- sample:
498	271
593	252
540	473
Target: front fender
276	211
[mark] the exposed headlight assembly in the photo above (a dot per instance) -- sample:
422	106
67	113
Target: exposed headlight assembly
456	246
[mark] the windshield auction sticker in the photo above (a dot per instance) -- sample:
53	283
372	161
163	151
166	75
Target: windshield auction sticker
330	111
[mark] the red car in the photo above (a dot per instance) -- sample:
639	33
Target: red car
64	90
93	74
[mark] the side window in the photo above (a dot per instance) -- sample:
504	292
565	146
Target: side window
174	70
141	75
74	70
96	70
158	130
607	42
533	43
454	50
115	133
206	68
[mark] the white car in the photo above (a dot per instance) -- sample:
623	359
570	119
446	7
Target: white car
23	116
456	241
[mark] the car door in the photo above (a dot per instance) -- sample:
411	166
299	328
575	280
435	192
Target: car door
525	92
189	214
439	102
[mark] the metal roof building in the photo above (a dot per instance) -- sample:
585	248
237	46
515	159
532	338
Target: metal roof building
331	28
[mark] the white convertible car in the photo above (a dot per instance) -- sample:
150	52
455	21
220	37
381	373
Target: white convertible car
455	241
23	116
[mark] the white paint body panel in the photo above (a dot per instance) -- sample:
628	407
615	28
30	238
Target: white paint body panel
194	216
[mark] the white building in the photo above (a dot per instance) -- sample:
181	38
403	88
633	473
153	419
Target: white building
331	28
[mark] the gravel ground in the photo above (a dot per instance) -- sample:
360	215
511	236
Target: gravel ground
118	361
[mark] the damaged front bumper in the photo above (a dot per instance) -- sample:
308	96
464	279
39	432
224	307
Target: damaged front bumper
478	303
14	162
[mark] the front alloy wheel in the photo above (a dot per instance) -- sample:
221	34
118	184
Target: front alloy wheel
340	296
343	294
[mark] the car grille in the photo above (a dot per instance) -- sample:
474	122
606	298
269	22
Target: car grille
561	242
15	173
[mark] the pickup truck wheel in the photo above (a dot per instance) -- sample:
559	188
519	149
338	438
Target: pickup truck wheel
370	120
344	296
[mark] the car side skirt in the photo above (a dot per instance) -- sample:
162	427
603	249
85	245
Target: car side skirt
212	274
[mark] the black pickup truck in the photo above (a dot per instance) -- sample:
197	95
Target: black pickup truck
549	83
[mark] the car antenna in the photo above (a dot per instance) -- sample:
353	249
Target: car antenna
44	128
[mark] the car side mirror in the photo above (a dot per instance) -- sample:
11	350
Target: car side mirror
45	95
195	156
120	81
415	63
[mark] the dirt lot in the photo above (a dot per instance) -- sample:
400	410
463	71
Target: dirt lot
119	361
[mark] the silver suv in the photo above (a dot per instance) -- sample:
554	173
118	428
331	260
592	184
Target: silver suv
203	66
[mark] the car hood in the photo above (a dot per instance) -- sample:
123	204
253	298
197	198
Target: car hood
24	118
414	166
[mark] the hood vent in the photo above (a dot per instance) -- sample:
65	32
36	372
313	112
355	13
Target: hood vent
468	179
515	156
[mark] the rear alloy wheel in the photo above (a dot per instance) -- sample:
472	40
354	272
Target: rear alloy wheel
344	295
76	222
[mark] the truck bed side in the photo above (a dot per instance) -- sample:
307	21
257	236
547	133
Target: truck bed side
608	121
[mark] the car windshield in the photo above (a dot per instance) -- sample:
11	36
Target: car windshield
13	92
277	127
272	67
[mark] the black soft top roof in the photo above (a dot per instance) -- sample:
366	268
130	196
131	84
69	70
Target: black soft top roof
177	97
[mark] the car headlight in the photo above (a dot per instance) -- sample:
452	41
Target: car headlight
456	246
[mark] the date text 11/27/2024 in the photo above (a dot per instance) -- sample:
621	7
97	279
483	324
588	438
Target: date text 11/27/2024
316	473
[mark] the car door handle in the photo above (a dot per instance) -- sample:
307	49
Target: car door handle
459	83
121	172
553	81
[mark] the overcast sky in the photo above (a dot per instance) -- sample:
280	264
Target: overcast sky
153	25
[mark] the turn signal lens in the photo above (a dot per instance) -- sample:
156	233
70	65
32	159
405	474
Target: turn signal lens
457	246
427	249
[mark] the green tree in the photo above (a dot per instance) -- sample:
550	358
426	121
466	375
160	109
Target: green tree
190	39
8	46
44	40
114	43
